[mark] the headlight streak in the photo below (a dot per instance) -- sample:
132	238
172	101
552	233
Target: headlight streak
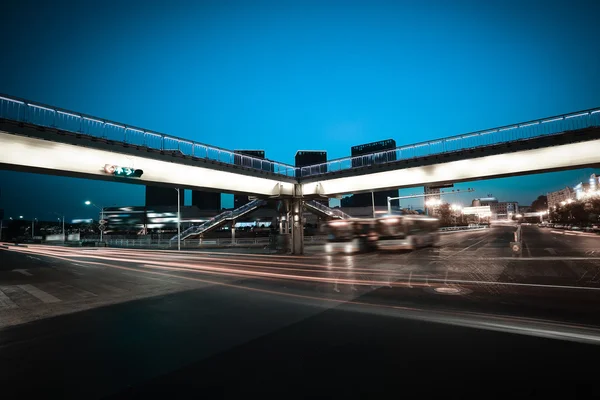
503	323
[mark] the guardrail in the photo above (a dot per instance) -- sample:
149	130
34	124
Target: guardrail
509	133
199	243
461	228
21	110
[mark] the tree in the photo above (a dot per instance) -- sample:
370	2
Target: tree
445	213
540	204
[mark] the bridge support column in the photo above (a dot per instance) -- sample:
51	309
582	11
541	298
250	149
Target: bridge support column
297	226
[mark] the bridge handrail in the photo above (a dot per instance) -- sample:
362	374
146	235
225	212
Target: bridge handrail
504	134
328	210
22	110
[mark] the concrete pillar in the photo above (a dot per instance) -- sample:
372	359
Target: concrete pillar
297	226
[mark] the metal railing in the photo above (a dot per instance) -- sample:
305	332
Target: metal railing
21	110
332	212
462	228
523	131
224	216
199	243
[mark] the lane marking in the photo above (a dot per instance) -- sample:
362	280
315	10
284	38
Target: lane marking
23	271
6	302
40	294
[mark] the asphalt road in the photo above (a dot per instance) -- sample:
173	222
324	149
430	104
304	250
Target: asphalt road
467	317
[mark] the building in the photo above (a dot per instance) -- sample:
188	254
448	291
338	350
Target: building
499	209
252	159
316	159
162	196
369	154
484	201
206	200
556	198
581	189
504	209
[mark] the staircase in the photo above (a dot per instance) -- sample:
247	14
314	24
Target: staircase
324	211
220	219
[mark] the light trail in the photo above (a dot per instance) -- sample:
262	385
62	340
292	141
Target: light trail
519	325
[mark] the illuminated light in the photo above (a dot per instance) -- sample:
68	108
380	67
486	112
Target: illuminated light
507	129
562	203
469	136
87	202
594	112
519	216
576	115
488	132
337	223
109	169
552	120
12	100
93	120
348	248
69	114
43	108
153	134
115	125
390	220
134	130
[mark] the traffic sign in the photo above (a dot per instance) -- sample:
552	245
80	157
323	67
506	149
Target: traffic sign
103	222
125	172
102	227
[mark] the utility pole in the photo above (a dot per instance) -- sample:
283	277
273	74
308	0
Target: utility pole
178	220
373	202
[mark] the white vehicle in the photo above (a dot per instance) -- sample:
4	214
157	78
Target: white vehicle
350	235
406	232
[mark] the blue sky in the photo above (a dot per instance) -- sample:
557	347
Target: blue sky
289	75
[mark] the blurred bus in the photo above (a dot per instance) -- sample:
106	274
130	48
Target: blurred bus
406	231
350	235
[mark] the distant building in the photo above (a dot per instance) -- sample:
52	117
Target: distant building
499	209
369	154
251	159
484	201
162	196
206	200
316	159
557	197
581	189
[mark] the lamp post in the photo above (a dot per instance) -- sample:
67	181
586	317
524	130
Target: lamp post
88	203
33	227
178	220
63	226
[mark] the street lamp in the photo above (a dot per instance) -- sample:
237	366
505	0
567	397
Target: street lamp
63	226
33	227
89	203
178	220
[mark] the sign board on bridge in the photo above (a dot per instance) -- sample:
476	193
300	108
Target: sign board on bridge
483	211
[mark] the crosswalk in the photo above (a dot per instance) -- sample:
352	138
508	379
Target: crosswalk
48	293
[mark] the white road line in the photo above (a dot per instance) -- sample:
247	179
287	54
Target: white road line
6	302
23	271
40	294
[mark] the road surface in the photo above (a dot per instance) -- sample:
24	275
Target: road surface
465	317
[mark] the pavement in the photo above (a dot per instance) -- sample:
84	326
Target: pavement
465	318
